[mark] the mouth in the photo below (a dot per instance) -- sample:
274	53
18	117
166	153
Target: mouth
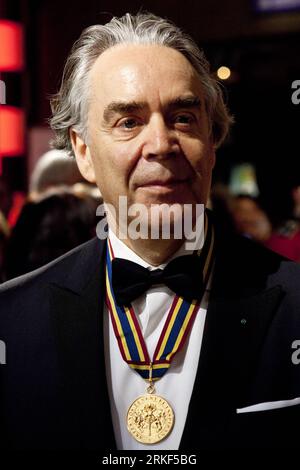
168	184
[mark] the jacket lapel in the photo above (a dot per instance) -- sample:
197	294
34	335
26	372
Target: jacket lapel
78	324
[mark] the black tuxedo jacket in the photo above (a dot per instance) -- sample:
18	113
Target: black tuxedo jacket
53	385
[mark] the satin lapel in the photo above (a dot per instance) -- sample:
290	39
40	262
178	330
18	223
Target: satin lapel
237	322
78	320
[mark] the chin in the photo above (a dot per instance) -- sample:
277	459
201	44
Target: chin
166	220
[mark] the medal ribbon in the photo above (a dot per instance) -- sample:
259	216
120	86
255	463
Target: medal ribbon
177	326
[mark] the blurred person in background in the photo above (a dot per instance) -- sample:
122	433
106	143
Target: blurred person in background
249	219
49	226
296	200
220	201
285	239
240	214
54	168
6	198
60	214
11	202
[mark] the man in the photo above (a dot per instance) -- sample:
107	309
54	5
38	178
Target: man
206	356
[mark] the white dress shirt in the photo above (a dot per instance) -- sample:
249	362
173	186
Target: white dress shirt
176	386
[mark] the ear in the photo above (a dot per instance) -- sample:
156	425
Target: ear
83	157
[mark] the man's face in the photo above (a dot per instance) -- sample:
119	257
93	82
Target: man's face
148	131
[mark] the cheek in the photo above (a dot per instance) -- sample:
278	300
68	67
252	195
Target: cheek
124	158
113	163
200	156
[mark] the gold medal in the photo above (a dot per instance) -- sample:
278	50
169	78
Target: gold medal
150	419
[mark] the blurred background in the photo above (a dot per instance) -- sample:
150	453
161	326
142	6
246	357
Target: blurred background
254	49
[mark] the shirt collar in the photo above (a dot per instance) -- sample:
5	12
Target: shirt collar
123	251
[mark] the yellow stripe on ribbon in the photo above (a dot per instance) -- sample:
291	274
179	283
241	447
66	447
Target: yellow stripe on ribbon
161	366
170	326
147	367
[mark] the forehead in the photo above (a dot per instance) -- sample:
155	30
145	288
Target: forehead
151	73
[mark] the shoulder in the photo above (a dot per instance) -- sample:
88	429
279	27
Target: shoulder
244	266
263	261
69	270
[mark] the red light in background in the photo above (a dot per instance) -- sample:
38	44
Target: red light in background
11	46
12	140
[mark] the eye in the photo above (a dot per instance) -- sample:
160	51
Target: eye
128	123
184	119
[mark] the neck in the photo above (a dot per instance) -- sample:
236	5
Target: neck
155	252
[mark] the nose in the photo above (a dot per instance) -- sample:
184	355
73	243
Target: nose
160	141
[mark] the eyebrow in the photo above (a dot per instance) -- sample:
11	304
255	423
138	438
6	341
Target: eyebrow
121	107
124	107
185	102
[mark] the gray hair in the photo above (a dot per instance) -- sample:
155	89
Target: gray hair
70	104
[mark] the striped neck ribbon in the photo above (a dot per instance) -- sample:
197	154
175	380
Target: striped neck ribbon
177	326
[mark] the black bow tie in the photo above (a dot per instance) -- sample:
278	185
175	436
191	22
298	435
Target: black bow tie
183	275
